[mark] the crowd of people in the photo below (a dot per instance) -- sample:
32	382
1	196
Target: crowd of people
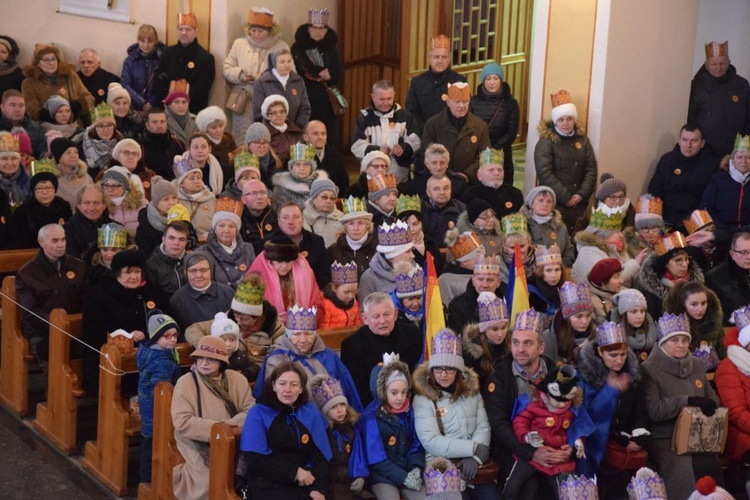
158	215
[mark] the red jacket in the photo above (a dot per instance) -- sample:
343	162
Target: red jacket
330	316
553	429
733	384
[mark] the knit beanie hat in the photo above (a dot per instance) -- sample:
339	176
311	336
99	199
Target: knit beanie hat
442	480
281	249
59	146
158	324
54	103
627	299
603	270
270	100
248	299
112	174
561	383
207	116
608	186
492	68
476	207
43	176
369	157
320	185
446	350
177	89
160	189
326	392
121	145
128	258
706	488
24	143
116	91
257	132
222	325
531	195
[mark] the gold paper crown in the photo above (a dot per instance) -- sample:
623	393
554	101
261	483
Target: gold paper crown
112	236
459	91
380	182
41	166
227	204
600	220
491	157
178	212
260	17
551	255
742	143
698	220
344	274
562	97
514	223
440	42
9	143
649	204
182	86
487	265
406	203
354	205
465	244
187	18
670	242
101	111
301	152
245	159
716	49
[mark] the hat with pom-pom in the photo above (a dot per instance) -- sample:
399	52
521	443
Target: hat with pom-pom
248	299
706	488
158	324
608	186
222	325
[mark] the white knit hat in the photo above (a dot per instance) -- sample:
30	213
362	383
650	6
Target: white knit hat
369	157
222	325
121	145
567	109
270	100
115	91
207	116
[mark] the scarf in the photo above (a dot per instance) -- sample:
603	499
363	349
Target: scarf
157	220
280	128
736	175
10	186
307	293
228	249
283	79
98	152
181	120
6	69
672	279
617	244
215	141
356	245
219	387
565	135
395	411
68	130
542	219
117	201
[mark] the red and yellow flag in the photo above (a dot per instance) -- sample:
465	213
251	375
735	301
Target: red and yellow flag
434	318
518	290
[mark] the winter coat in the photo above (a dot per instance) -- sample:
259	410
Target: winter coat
436	220
295	94
256	230
668	383
182	134
192	306
500	112
418	185
680	182
98	83
333	164
281	143
504	200
17	185
81	233
471	341
31	216
138	73
200	206
379	216
452	281
229	269
551	232
551	343
223	152
380	277
464	145
463	309
289	188
325	225
37	88
192	63
126	213
464	419
725	199
731	285
592	249
70	184
313	248
154	366
341	251
332	315
11	77
655	288
492	239
192	429
602	301
425	97
733	385
131	126
159	151
642	340
710	329
721	107
168	273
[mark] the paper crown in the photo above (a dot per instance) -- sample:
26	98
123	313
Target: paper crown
575	298
459	91
187	18
440	42
578	488
101	111
699	219
391	357
406	203
381	182
446	342
562	97
178	212
671	241
742	143
317	17
716	49
514	223
327	393
301	152
410	284
354	205
670	324
180	86
649	204
610	332
491	156
545	255
391	235
441	477
183	166
344	274
41	166
530	320
647	485
227	204
248	299
492	309
487	265
245	159
741	317
9	143
600	220
467	243
260	17
301	319
112	235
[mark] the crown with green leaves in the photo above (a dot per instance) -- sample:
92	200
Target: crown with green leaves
406	203
245	159
112	235
102	110
46	165
742	143
301	152
514	223
354	205
600	220
491	157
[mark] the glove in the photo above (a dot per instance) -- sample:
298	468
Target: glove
534	439
580	453
357	485
707	405
413	480
468	468
482	452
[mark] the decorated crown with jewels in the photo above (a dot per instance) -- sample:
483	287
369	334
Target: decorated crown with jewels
41	166
407	203
441	476
245	159
560	98
101	111
392	235
671	323
301	152
548	255
491	157
487	265
344	274
301	319
649	204
227	204
578	488
112	236
530	320
741	317
380	182
610	332
317	17
671	241
571	293
491	308
699	219
411	283
600	220
446	342
647	485
514	223
184	165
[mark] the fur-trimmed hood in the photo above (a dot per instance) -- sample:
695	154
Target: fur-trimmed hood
463	225
714	312
386	372
471	342
134	200
63	68
546	130
556	219
724	164
82	171
286	181
648	280
587	239
302	37
422	387
592	370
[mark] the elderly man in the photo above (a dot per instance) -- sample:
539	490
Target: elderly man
440	210
93	76
504	199
90	215
159	145
186	60
201	297
426	90
327	156
463	309
731	279
13	115
364	349
719	100
311	246
436	162
462	132
385	126
259	221
166	266
52	279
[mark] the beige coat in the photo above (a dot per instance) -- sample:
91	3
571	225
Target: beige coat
192	433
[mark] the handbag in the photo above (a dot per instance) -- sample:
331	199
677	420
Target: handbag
487	472
337	100
238	99
621	458
694	432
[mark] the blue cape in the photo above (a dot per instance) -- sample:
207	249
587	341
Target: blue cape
357	460
373	442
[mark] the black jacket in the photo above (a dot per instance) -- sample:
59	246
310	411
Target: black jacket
159	151
81	233
32	128
500	112
333	164
313	247
98	83
257	230
418	185
425	97
731	284
165	272
31	216
191	62
341	251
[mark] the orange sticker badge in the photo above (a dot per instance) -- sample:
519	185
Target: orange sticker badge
70	275
699	384
146	184
549	421
451	224
100	92
348	448
566	424
474	139
553	235
392	441
269	227
294	91
150	304
493	243
305	439
61	221
191	65
644	356
508	204
62	91
304	253
579	145
243	267
735	98
491	387
677	171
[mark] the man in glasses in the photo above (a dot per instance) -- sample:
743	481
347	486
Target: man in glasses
731	279
201	297
259	220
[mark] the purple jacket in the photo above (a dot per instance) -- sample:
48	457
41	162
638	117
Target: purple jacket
137	71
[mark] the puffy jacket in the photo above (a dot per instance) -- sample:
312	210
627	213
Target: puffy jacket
500	112
319	103
37	88
332	316
137	75
731	284
229	269
726	199
295	93
154	366
325	225
436	221
166	272
551	232
381	277
733	385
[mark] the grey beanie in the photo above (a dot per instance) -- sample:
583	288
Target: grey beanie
320	185
197	256
54	103
609	186
627	299
158	324
161	188
256	132
113	175
531	196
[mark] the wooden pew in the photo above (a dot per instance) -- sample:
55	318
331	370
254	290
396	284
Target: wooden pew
165	454
107	457
333	337
13	260
225	445
56	418
14	357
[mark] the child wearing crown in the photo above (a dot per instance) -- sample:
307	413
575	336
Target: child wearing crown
229	331
408	295
572	325
545	223
544	285
516	234
551	416
340	307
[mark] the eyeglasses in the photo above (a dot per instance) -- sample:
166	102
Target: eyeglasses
169	336
741	253
202	270
616	197
44	189
654	229
276	112
111	187
48	60
105	125
130	153
255	193
444	370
